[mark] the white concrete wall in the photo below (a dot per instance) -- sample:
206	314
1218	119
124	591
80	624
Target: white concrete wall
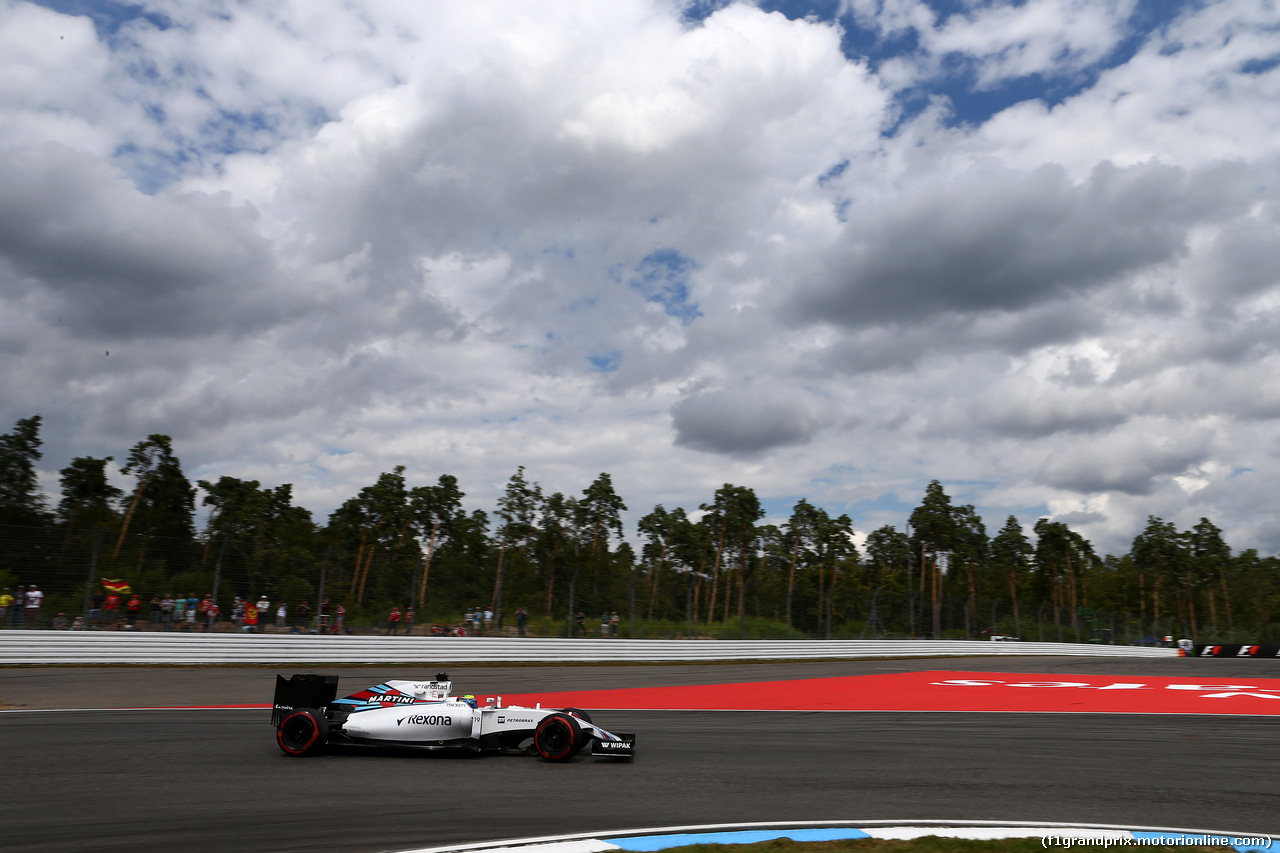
105	647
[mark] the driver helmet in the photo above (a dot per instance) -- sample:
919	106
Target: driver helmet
470	700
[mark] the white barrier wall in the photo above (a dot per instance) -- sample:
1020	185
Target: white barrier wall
108	647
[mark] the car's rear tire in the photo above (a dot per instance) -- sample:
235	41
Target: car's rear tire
558	737
302	732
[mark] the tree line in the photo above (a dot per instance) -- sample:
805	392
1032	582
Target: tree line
713	570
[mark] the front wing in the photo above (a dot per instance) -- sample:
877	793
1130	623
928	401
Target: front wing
623	747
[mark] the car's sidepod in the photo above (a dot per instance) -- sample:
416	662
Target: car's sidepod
421	723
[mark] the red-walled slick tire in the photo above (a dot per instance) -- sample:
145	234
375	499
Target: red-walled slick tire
558	737
302	732
583	737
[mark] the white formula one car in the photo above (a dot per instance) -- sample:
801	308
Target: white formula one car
422	715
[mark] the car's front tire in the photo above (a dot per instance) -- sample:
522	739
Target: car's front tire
302	732
579	713
558	737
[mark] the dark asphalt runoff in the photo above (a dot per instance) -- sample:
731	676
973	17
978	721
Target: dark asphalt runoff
215	780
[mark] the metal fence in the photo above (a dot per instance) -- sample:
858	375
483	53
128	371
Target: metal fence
49	647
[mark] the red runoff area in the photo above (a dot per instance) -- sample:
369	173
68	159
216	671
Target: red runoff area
939	691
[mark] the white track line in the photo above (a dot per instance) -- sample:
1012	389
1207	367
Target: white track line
651	839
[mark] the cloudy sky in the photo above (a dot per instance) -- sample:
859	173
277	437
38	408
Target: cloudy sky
830	249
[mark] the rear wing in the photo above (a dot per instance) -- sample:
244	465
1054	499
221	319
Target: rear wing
302	691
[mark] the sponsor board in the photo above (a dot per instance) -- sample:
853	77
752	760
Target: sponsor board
1237	650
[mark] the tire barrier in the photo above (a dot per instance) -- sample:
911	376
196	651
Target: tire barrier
111	647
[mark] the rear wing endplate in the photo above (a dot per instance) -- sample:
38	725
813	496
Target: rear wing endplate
302	691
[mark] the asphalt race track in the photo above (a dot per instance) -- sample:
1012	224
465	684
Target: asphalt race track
214	779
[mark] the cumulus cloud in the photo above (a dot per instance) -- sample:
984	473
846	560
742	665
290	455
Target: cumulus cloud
112	261
995	241
1007	40
688	244
1132	464
746	421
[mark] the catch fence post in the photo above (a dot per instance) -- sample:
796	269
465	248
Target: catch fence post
93	570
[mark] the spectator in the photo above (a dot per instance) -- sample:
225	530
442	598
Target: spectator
581	619
167	606
466	618
614	622
324	616
304	616
264	608
237	612
19	607
393	621
340	616
60	622
604	624
95	608
191	608
111	609
155	610
211	616
78	624
250	617
522	616
488	619
6	601
408	621
134	605
34	597
282	616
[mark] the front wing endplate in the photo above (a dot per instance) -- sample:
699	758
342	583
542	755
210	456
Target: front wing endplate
623	747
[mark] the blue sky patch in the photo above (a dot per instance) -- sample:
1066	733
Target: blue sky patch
834	172
557	250
108	16
663	278
970	104
1260	66
867	514
779	508
606	362
151	169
